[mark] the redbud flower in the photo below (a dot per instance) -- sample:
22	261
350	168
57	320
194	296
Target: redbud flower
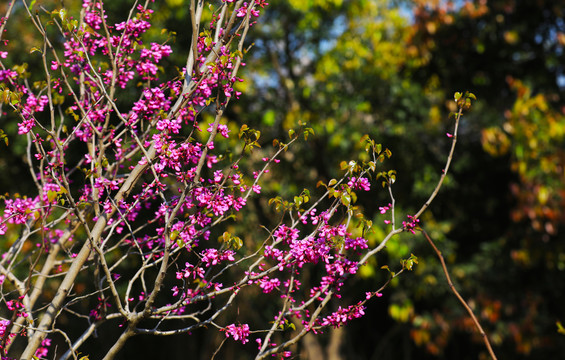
240	332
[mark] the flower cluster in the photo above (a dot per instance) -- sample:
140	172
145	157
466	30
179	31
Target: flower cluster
3	326
361	183
342	316
238	332
20	210
411	225
213	256
43	350
17	307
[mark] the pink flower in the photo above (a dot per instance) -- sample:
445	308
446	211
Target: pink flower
210	257
341	316
268	285
223	130
240	332
411	225
359	184
3	326
7	74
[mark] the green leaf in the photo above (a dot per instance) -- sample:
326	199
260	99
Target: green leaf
4	136
51	196
409	263
346	199
243	130
560	328
14	98
63	14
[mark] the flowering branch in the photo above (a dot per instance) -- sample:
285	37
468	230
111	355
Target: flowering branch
130	182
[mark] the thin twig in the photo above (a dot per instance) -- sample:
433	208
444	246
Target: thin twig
461	300
447	164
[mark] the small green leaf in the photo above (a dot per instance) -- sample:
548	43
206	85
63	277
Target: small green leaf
14	98
560	328
346	199
4	136
51	196
63	14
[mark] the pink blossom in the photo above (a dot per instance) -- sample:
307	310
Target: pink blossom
356	243
341	316
221	129
384	209
359	184
20	210
210	257
411	225
3	326
7	74
240	332
268	285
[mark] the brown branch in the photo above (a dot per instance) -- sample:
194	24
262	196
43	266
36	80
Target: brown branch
461	300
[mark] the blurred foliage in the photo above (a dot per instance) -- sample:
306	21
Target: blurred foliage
347	68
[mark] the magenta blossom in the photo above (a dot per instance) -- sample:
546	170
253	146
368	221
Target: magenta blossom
238	332
359	184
